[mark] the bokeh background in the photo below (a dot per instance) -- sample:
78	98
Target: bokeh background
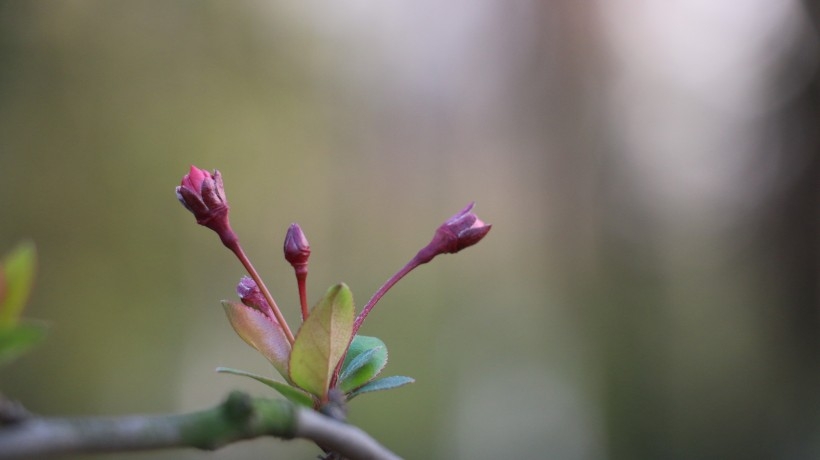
651	169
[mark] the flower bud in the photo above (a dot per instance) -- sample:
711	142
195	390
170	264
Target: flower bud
250	295
460	231
297	253
203	193
297	248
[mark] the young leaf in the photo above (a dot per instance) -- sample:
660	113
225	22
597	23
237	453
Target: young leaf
322	340
365	359
385	383
295	395
260	332
16	278
16	340
354	366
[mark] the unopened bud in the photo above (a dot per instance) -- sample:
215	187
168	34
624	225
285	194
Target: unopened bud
203	193
460	231
297	248
250	295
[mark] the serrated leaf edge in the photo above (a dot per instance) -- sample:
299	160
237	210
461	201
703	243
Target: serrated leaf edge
359	362
381	385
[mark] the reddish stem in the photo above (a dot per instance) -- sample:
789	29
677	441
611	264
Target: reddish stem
301	280
415	262
357	323
240	254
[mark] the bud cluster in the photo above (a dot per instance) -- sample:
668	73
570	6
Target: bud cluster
258	319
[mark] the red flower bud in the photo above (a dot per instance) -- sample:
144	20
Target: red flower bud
460	231
203	194
297	248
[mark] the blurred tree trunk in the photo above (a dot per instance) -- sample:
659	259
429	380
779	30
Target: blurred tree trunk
617	274
791	237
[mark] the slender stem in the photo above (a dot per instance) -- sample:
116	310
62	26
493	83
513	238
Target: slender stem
240	254
301	280
357	323
414	262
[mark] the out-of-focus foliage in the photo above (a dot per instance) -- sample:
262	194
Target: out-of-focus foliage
650	289
16	279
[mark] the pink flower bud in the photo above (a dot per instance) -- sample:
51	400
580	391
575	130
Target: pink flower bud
460	231
297	248
250	295
203	193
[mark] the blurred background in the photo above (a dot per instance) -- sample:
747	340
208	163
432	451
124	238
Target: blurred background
651	170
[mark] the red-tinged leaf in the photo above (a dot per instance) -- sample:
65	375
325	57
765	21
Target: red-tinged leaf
322	340
260	332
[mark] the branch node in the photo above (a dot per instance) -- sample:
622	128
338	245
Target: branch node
237	407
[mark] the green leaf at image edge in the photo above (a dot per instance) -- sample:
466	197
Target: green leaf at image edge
322	341
19	339
294	395
385	383
16	278
365	360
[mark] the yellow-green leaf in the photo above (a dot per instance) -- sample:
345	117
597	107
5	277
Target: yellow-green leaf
16	278
322	340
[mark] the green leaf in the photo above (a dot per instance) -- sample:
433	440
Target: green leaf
293	394
354	366
260	332
365	359
385	383
322	340
19	339
16	278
